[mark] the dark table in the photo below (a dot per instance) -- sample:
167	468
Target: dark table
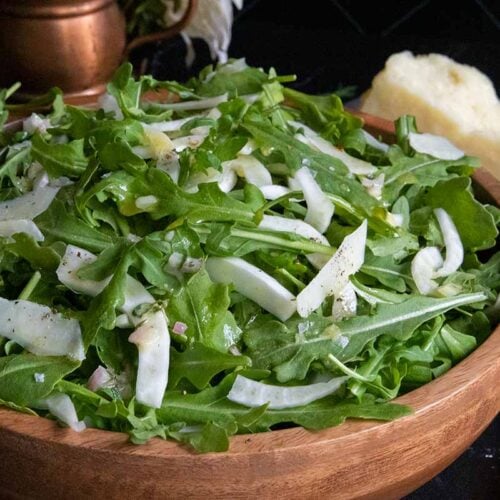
332	44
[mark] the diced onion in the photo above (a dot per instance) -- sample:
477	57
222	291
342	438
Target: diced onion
153	342
319	208
253	394
40	330
434	145
253	283
99	379
334	276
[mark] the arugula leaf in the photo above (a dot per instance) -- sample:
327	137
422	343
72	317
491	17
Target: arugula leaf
474	222
199	364
203	307
17	377
59	159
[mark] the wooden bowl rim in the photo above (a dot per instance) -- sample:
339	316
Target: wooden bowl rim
480	364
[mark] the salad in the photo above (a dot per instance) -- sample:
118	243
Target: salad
232	256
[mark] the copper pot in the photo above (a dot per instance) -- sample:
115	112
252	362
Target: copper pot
73	44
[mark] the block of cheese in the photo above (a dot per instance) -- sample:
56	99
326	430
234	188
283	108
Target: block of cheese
447	98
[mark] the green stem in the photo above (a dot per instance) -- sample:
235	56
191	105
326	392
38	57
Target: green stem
30	286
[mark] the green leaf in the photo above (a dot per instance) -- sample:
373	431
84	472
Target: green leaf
57	224
39	257
199	364
474	222
59	159
17	377
203	307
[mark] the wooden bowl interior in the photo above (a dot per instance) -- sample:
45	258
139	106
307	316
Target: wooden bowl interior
357	459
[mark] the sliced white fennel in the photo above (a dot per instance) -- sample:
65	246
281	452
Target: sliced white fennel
345	303
434	145
158	144
40	330
153	343
374	143
251	393
210	102
252	283
251	169
61	406
188	141
428	263
313	139
423	269
374	186
10	227
334	276
29	205
297	226
319	207
171	125
453	243
76	258
273	191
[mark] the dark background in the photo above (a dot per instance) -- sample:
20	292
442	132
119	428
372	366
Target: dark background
331	44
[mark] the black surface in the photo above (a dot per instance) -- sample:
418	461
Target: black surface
333	43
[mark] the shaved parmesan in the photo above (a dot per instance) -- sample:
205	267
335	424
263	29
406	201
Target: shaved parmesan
434	145
319	207
334	276
423	268
10	227
253	394
253	283
40	330
61	406
153	342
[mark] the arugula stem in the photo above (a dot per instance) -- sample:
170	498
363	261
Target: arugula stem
304	245
347	370
30	286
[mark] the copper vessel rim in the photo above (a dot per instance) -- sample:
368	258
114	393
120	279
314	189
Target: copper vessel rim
51	9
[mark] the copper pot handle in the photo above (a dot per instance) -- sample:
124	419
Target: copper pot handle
165	34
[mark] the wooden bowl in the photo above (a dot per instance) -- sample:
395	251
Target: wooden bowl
359	459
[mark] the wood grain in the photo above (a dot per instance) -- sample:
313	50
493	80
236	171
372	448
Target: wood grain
359	459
